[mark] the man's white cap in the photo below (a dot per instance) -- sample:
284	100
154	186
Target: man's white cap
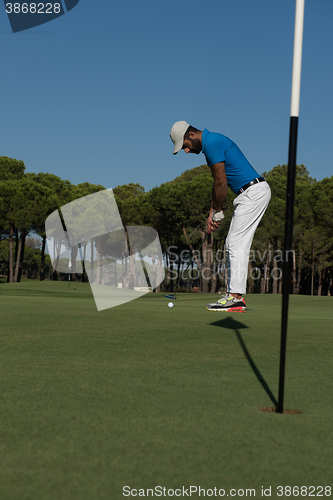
177	133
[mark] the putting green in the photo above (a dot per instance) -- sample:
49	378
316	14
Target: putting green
141	395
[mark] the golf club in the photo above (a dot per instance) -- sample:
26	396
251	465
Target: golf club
173	295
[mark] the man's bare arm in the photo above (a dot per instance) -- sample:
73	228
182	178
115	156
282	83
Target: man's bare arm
220	191
220	187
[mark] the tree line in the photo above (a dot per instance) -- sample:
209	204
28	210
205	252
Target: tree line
178	211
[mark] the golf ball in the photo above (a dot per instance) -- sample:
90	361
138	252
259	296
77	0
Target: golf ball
170	304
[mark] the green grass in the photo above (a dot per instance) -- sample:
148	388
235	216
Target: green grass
142	395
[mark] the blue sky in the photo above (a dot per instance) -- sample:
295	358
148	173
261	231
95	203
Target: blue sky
92	95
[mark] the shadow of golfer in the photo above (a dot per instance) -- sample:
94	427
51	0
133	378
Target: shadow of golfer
232	324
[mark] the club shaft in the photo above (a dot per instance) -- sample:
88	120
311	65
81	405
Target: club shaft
174	287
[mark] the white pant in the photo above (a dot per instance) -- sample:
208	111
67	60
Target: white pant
249	207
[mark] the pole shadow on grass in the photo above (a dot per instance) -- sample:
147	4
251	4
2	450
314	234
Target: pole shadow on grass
232	324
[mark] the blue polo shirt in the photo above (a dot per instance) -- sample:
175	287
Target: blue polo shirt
218	148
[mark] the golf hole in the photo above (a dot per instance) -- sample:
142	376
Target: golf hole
272	409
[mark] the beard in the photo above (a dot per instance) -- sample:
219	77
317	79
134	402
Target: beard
195	146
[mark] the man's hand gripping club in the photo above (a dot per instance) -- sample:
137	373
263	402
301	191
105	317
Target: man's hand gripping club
214	219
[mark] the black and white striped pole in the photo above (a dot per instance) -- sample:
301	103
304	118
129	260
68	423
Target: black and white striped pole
287	261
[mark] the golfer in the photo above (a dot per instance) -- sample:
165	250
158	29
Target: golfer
229	167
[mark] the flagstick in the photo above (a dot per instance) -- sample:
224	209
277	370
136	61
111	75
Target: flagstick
294	113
